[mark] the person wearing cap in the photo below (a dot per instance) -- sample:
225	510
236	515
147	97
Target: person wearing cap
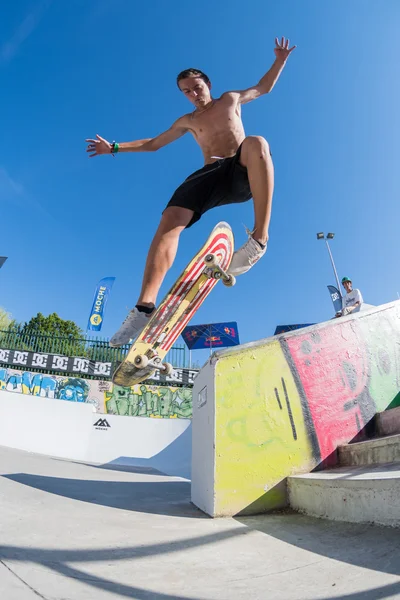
352	300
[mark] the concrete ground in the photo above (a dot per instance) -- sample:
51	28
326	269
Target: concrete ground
71	531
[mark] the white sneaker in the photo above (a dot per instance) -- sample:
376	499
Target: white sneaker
131	328
246	257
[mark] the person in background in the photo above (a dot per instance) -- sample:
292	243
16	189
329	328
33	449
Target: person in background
352	300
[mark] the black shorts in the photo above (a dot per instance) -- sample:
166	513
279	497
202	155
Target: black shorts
222	182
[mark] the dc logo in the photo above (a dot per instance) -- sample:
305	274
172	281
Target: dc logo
4	354
96	319
102	368
20	357
60	362
81	364
39	360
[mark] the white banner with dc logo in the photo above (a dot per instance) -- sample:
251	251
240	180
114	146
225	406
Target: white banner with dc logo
101	294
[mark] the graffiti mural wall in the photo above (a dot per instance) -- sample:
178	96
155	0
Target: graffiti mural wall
149	401
73	389
139	401
284	405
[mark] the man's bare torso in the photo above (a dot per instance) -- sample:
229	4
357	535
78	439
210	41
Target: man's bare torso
218	129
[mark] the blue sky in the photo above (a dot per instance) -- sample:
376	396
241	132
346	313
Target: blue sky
69	70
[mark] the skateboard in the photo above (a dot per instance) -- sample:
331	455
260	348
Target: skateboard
185	297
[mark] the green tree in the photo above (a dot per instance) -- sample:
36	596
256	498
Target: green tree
8	327
53	334
5	319
53	325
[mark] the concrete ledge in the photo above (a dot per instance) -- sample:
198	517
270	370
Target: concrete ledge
388	422
281	406
378	451
354	494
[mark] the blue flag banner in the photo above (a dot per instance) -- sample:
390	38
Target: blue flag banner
286	328
336	298
101	294
213	335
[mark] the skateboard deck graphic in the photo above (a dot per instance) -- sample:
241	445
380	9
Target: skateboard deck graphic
177	308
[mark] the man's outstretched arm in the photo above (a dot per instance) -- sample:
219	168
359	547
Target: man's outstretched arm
265	85
102	146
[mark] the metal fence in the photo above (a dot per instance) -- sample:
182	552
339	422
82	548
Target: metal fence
95	348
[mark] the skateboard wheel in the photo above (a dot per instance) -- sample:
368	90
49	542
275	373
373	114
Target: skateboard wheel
230	281
168	368
211	260
141	361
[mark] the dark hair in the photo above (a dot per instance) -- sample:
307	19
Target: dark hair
192	73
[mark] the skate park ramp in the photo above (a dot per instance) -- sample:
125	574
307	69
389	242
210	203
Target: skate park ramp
71	530
74	430
281	406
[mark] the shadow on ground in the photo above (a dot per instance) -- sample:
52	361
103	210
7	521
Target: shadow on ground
333	544
170	498
62	562
368	546
113	466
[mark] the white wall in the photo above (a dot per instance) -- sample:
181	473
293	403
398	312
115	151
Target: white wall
45	425
203	439
162	444
75	431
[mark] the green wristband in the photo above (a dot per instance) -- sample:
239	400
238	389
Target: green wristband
115	148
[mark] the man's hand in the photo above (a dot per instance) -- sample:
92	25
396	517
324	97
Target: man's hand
266	83
282	49
350	309
99	146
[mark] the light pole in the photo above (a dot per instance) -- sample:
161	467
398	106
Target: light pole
330	236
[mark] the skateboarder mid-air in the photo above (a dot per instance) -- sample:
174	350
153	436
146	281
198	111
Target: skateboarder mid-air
237	168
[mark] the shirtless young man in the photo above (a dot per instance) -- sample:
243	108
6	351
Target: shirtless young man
236	169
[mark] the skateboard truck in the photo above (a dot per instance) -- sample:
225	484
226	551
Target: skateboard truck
142	362
212	262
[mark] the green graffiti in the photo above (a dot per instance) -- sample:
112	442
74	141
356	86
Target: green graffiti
382	343
150	401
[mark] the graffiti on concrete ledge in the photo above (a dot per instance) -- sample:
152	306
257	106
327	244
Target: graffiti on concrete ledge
285	405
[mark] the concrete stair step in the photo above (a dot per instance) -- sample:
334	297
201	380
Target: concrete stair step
367	494
388	422
370	452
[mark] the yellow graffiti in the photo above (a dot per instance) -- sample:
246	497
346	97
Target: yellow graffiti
260	429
